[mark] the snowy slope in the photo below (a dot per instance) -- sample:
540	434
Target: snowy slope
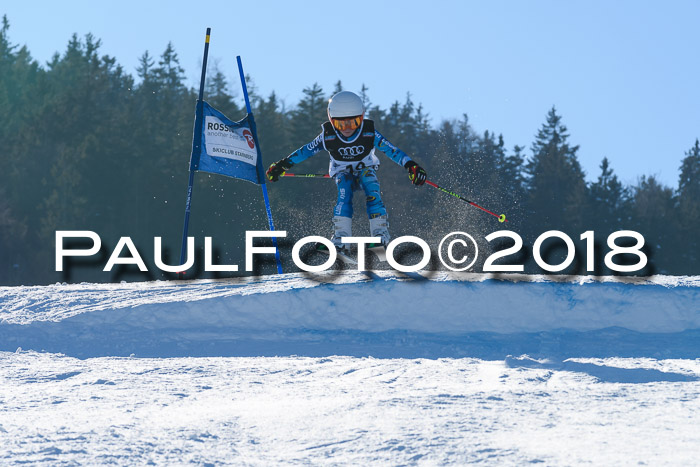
612	375
57	410
393	315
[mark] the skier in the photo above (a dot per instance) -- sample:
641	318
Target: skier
351	140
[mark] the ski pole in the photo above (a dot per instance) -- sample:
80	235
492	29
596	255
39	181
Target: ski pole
501	218
287	174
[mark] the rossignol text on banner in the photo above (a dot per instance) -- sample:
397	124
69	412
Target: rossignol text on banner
228	147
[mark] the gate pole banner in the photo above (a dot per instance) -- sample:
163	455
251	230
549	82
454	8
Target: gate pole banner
196	147
228	148
225	147
261	174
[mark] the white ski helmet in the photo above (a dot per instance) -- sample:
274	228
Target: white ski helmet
344	105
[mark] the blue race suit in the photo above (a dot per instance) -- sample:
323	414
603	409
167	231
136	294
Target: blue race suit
353	164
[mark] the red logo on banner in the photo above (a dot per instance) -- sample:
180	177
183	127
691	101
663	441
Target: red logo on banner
249	136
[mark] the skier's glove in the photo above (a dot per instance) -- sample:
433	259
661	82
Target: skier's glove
416	173
277	169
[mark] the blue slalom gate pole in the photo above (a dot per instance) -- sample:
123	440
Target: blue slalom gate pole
196	147
261	175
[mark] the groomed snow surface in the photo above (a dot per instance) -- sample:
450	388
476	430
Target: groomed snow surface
350	368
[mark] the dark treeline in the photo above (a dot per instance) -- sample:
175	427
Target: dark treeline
86	146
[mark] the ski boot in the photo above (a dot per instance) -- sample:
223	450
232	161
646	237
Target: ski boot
342	227
379	227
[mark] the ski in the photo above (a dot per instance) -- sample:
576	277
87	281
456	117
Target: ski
372	275
344	257
379	251
414	275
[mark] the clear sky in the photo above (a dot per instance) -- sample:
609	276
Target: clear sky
625	75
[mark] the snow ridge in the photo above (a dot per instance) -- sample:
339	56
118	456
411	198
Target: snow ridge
385	314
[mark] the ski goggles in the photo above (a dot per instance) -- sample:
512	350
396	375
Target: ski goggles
348	123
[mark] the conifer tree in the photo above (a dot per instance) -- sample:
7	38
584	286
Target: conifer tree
85	115
511	173
20	99
217	94
145	68
555	180
653	213
273	128
689	210
689	182
169	74
308	116
18	80
454	143
482	166
508	191
608	200
365	97
13	234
